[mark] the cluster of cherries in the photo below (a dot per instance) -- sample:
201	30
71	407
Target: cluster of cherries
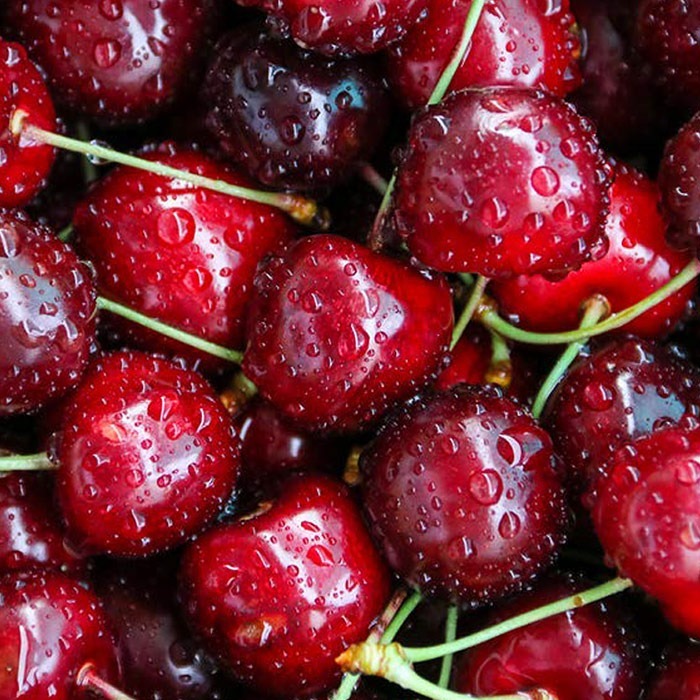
259	403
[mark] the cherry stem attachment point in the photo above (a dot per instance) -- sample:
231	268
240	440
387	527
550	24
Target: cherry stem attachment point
193	341
303	210
469	310
88	680
27	463
450	635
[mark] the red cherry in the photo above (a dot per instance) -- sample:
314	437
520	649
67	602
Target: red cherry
338	334
464	496
679	676
50	628
147	456
523	43
637	263
277	595
646	517
502	182
47	304
115	61
24	163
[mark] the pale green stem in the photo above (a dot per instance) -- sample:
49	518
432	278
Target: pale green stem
89	169
450	635
469	310
26	463
66	233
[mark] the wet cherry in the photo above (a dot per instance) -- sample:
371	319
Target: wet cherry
679	675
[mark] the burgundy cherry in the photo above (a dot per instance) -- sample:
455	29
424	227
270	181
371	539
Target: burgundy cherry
464	496
679	676
524	43
637	263
47	305
502	182
338	334
291	119
116	61
147	456
24	164
591	653
50	629
277	595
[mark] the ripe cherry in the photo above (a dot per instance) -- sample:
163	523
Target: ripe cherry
338	334
679	675
147	456
286	588
464	496
502	182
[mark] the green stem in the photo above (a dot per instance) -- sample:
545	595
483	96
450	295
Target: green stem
500	370
26	463
66	233
373	178
89	168
234	356
450	635
595	309
88	680
397	622
492	320
469	310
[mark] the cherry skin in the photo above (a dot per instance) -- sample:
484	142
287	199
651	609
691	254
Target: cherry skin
118	62
637	263
47	304
24	163
291	119
502	182
516	42
50	628
463	495
338	334
176	252
591	653
679	676
147	456
287	588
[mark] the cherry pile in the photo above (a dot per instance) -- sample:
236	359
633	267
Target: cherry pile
349	338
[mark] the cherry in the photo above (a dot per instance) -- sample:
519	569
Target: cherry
523	43
591	653
177	252
47	304
24	163
679	676
115	61
291	119
637	263
147	456
338	27
338	334
502	182
51	628
286	588
645	513
463	494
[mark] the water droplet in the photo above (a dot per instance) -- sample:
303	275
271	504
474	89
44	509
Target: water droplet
486	487
107	52
545	181
509	525
111	9
175	227
320	556
598	396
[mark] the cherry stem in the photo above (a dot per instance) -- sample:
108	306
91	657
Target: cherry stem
301	209
373	178
469	310
90	173
65	234
500	371
490	318
450	635
26	463
596	308
223	353
88	680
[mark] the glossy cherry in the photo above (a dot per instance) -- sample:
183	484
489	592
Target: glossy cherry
278	594
637	263
679	675
292	119
51	627
463	494
522	43
47	304
147	456
116	61
502	182
338	334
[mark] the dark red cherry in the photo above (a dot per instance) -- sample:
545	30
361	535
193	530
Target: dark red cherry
463	494
24	163
147	456
627	388
176	252
678	677
292	119
502	182
47	304
591	653
116	61
523	43
645	513
278	594
50	628
338	334
342	26
637	263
